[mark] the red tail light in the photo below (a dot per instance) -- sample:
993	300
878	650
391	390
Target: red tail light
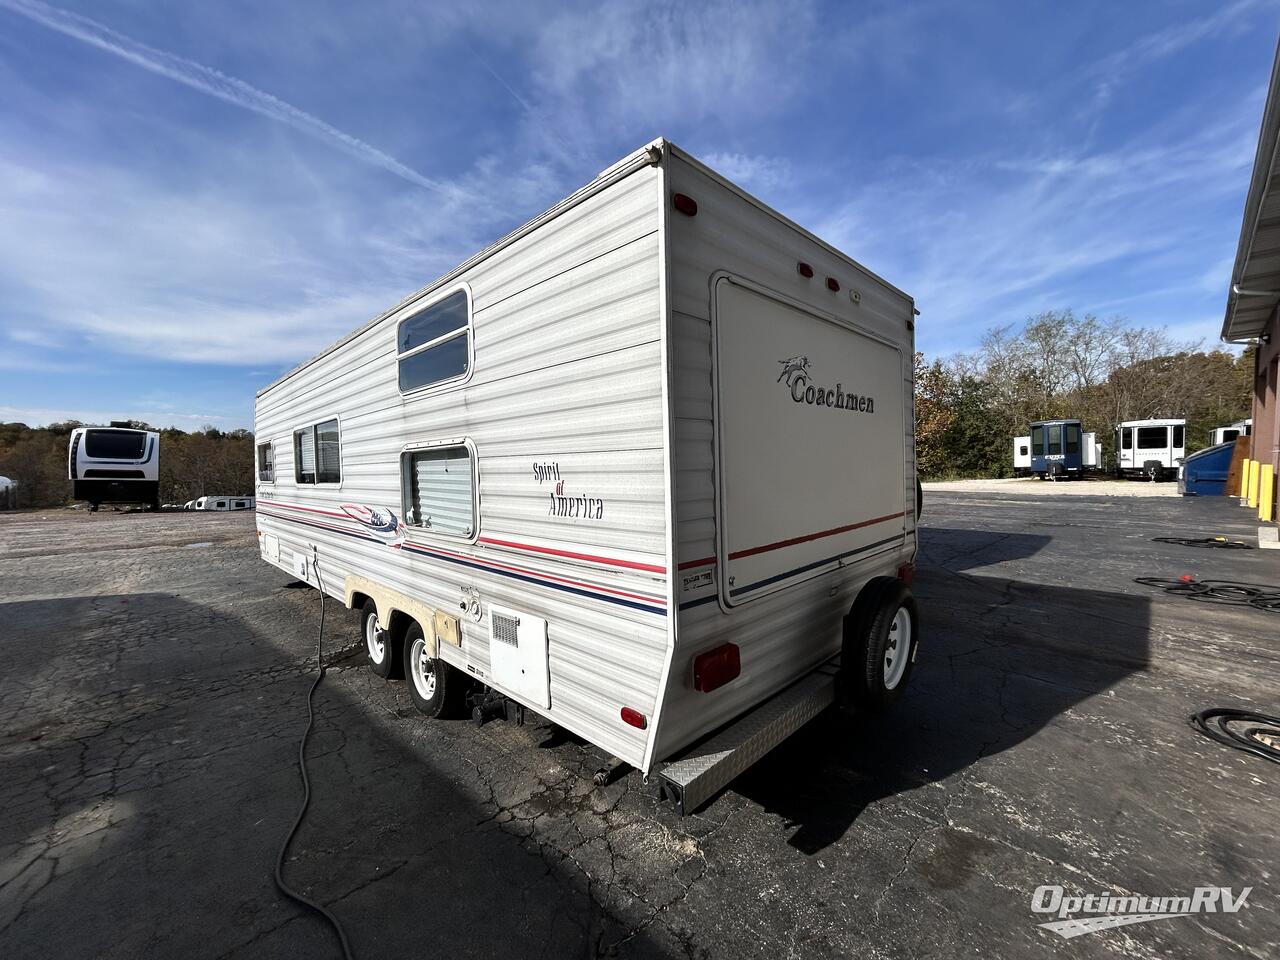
833	284
716	667
804	270
907	573
686	205
634	717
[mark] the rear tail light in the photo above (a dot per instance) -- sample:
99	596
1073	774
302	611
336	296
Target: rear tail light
716	667
907	573
634	717
685	204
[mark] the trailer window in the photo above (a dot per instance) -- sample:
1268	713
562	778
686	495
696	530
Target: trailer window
1073	437
1037	439
1055	439
1153	438
1229	435
1178	435
434	345
266	463
317	454
114	444
439	490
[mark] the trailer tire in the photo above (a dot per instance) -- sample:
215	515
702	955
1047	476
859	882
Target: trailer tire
880	644
380	650
435	688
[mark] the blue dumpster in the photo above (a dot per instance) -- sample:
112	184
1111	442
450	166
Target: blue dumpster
1204	473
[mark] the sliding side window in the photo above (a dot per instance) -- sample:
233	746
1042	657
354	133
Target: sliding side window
433	346
266	463
317	454
439	489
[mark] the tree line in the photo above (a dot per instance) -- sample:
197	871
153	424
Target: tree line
970	406
203	462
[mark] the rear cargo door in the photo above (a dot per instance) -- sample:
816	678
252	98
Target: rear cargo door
811	442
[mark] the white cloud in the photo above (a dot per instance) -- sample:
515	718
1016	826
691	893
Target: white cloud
755	173
41	416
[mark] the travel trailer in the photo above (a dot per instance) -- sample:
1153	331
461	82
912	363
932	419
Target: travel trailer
1022	456
1229	433
1057	449
115	464
220	503
1150	448
644	467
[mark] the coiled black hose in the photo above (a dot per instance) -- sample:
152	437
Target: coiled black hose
1220	543
1260	596
1249	741
306	789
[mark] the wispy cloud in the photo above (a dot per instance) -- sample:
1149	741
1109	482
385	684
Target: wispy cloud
39	416
216	84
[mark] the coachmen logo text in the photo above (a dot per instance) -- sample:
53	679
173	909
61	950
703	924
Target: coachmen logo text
795	370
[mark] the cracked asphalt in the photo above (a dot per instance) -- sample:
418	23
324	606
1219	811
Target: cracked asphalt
153	676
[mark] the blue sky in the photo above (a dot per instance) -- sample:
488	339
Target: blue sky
195	197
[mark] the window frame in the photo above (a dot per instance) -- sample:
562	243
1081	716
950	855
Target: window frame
1166	430
315	440
422	306
1178	436
271	445
1126	438
414	530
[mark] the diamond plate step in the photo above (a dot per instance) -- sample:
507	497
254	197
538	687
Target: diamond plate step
708	767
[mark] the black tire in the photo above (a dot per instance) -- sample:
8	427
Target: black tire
93	508
436	689
873	678
377	639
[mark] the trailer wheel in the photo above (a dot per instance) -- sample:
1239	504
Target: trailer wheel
880	643
379	648
434	686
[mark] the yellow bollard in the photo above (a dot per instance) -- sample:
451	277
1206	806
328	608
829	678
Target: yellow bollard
1244	479
1266	497
1254	471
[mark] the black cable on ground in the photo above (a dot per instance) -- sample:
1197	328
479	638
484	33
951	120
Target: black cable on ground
1260	596
306	790
1250	741
1221	543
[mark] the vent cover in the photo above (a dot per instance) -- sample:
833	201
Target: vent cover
506	629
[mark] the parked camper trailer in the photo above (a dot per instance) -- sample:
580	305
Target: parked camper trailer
1229	433
115	464
221	503
1150	448
1092	453
1057	449
1022	456
644	467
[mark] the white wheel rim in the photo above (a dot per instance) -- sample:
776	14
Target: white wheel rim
422	670
375	639
897	648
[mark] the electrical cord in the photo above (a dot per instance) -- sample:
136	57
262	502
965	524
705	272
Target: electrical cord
1220	543
306	786
1251	741
1260	596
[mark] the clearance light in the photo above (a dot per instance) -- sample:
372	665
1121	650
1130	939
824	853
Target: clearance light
833	284
716	667
907	573
804	269
685	204
634	717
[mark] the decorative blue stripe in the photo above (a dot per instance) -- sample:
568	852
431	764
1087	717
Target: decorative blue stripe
817	563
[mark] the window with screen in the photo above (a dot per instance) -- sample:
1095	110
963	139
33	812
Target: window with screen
439	490
434	345
1072	437
1153	438
1178	438
317	454
1126	438
1037	439
114	444
266	463
1055	439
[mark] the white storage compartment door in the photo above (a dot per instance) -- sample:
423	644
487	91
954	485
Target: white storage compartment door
811	443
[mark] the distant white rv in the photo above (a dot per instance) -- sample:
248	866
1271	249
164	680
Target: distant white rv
1150	448
1230	432
221	503
115	464
1022	456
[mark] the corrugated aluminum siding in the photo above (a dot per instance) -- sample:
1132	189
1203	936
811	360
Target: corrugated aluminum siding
567	372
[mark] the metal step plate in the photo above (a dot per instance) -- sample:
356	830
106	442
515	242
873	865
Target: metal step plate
709	766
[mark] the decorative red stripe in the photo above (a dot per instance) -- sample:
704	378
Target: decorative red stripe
813	536
294	506
552	552
704	562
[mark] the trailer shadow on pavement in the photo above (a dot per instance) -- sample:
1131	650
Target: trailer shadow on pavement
999	660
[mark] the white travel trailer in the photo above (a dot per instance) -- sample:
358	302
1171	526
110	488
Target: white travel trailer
1022	456
115	464
645	467
1229	433
1150	448
1092	452
220	503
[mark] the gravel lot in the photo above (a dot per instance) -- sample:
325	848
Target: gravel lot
153	675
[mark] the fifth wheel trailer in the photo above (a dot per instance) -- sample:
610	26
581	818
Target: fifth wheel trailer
1150	448
115	464
645	467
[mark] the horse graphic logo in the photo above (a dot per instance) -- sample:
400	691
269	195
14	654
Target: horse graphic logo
793	367
383	524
